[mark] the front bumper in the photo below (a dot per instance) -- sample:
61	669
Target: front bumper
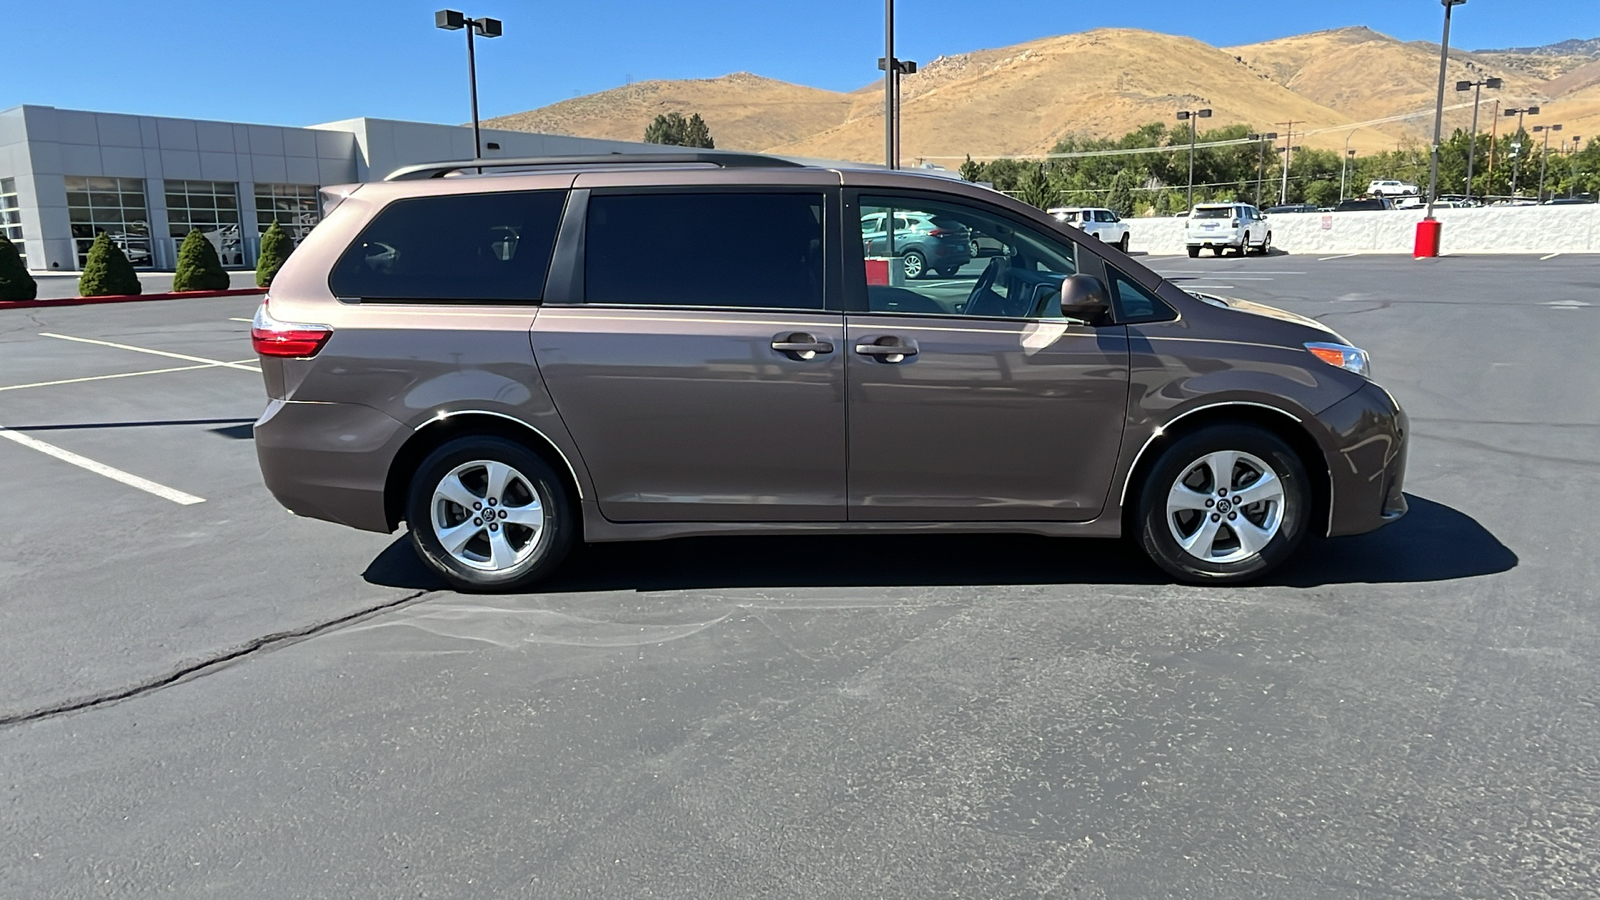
1367	463
329	461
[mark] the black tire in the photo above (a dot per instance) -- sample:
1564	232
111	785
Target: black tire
538	553
914	264
1266	245
1194	252
1123	244
948	271
1186	459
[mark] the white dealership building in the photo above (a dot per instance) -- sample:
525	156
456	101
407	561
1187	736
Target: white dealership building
67	174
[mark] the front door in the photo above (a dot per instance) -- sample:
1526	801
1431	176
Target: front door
702	378
971	397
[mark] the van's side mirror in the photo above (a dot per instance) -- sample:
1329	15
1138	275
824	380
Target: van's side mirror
1084	297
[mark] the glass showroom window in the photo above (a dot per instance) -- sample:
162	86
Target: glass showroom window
292	206
115	206
11	215
213	208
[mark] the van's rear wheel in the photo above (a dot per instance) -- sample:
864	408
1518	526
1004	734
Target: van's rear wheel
489	515
1224	505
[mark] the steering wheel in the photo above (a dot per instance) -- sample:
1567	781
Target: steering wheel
985	284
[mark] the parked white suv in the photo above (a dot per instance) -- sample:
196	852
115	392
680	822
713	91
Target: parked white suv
1239	227
1387	188
1102	223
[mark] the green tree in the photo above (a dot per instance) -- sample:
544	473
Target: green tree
1120	197
107	271
15	282
971	171
1323	192
275	249
199	267
1035	188
697	134
674	130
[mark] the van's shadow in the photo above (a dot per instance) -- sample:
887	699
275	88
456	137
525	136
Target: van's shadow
1432	543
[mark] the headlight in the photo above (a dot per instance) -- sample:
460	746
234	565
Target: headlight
1351	359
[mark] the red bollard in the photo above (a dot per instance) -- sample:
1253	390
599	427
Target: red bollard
1427	246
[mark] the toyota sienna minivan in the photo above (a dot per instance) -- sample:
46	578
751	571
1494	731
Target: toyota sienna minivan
510	357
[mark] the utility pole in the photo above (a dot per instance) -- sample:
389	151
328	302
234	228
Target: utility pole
1261	168
1288	154
1544	158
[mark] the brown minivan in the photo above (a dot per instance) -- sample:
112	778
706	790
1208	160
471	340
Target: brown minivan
514	355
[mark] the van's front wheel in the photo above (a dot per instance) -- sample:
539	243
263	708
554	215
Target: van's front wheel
489	515
1224	505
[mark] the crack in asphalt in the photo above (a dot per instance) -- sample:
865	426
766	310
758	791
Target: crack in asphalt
264	644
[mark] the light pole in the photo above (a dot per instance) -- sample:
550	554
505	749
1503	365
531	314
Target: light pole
1544	158
452	20
1261	169
1438	113
1477	99
1344	173
1190	116
1516	144
1288	153
888	84
902	67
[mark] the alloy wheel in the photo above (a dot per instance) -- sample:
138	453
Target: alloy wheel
1225	507
487	515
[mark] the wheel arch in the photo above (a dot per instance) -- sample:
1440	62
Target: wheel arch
449	426
1287	426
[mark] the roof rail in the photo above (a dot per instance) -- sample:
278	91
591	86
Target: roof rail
724	159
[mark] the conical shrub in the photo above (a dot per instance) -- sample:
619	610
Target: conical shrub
107	271
15	282
276	246
199	267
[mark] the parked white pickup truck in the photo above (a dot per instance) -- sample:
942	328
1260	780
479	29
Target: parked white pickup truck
1102	223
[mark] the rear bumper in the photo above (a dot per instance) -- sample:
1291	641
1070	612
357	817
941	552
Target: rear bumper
1367	466
329	461
1220	239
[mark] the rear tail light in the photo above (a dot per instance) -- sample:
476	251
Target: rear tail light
271	337
1236	223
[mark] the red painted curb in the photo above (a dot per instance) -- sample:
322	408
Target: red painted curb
129	298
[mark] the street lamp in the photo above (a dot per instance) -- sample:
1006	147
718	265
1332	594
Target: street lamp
1261	170
901	67
1477	99
1544	158
1344	172
1190	116
452	20
1516	143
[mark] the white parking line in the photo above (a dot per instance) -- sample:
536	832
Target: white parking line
183	356
1551	256
83	462
38	384
1341	256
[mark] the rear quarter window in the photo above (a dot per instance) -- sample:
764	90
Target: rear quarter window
459	248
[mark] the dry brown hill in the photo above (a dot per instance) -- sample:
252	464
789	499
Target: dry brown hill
745	112
1367	75
1022	99
1107	82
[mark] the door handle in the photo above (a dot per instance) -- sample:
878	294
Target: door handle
802	345
888	349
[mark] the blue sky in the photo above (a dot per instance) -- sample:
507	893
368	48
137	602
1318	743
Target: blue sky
295	62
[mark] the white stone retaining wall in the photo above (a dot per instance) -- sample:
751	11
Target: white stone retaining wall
1511	229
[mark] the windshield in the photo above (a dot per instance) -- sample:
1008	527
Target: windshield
1219	212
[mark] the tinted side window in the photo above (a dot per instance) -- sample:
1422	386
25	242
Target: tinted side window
678	249
1134	303
461	248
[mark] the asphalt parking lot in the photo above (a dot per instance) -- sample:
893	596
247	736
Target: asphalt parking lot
206	696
